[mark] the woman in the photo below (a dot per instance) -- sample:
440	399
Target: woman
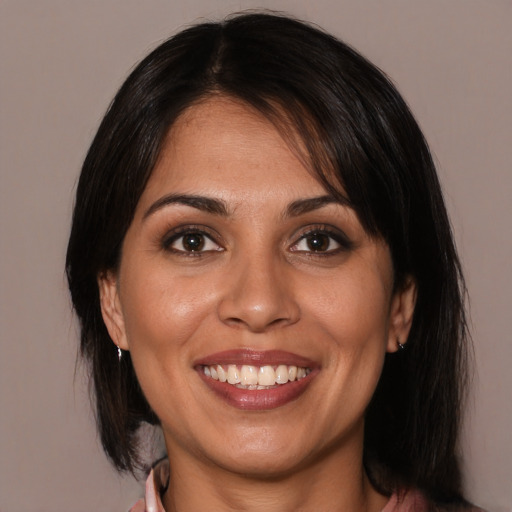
262	265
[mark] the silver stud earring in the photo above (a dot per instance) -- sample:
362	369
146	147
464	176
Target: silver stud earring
400	346
119	353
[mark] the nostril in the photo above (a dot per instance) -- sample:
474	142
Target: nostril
234	322
260	322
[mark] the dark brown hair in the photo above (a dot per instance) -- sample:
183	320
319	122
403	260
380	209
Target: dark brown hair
359	136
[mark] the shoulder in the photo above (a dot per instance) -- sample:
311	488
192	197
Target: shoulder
413	500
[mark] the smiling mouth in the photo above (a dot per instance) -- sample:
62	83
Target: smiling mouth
253	377
252	380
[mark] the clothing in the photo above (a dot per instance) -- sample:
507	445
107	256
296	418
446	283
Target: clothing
155	485
409	501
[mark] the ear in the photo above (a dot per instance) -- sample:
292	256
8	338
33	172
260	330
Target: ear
401	314
111	308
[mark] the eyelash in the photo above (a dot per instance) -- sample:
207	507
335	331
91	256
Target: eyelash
181	232
344	244
333	234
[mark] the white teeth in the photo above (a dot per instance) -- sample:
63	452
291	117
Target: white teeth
282	374
249	375
266	376
255	377
221	373
233	374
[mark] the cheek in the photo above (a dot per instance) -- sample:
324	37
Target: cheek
161	316
355	311
354	316
163	310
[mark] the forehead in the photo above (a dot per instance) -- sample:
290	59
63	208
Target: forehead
224	147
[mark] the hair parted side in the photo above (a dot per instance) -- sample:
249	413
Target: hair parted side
359	136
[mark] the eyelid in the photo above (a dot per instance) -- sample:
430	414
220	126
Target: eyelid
178	232
336	234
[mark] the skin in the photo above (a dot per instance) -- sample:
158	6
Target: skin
256	284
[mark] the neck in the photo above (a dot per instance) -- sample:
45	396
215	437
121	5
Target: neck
334	482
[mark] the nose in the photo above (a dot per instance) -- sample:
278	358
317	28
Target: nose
258	295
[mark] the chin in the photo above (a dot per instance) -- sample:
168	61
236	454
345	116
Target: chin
256	452
263	466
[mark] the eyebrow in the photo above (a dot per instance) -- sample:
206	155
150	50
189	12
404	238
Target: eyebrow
205	204
219	207
302	206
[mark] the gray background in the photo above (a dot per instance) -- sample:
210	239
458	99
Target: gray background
61	63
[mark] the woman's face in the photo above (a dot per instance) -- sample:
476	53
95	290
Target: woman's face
238	267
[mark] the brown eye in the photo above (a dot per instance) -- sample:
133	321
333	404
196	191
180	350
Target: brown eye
322	242
318	242
193	242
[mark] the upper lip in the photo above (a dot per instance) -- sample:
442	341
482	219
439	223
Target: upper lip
256	358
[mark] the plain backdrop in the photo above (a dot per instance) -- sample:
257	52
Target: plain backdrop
61	63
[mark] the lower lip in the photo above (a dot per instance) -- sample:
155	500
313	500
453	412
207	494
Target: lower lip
258	399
